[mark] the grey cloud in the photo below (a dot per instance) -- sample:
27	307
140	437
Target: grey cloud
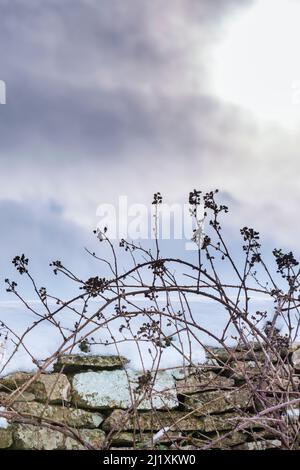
77	72
105	92
98	124
42	234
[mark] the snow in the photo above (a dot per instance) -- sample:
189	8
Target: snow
44	339
3	422
293	415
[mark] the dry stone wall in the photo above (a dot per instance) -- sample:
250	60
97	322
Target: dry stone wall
99	402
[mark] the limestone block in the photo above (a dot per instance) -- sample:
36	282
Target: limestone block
118	389
75	363
70	416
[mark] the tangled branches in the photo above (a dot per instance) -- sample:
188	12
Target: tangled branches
154	306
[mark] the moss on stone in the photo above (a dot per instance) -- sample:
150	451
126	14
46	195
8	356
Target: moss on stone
76	362
6	438
179	420
53	388
72	417
218	401
203	380
13	381
27	436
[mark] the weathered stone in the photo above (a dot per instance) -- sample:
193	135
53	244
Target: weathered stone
188	447
288	384
180	373
13	381
149	421
94	437
69	416
260	445
26	396
126	439
296	360
292	383
218	401
76	363
220	442
6	438
294	346
245	369
254	345
223	356
102	390
27	436
137	439
234	439
53	388
203	380
212	402
216	423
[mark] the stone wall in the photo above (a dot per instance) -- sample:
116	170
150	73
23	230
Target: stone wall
92	397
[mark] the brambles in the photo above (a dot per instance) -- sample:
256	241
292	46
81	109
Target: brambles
149	305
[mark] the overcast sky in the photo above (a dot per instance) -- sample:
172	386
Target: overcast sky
106	98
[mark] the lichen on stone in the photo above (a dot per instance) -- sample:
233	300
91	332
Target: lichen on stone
71	363
119	389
